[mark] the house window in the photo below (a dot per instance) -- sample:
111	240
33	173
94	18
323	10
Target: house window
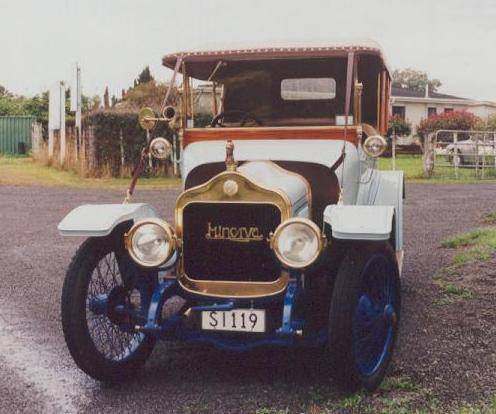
431	111
446	110
399	111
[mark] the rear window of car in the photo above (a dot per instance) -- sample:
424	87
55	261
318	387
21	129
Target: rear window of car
308	89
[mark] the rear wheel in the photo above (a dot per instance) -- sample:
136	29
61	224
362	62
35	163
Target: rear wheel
364	316
103	298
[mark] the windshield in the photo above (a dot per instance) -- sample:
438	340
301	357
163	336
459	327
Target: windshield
285	92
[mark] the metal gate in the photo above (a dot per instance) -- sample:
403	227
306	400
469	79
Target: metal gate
15	134
464	154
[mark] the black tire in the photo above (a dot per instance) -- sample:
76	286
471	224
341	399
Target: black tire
352	280
82	346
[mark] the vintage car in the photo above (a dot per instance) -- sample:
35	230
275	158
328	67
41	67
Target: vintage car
285	233
471	152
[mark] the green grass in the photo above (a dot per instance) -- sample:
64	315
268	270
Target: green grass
490	218
403	383
452	293
473	246
476	245
25	171
412	167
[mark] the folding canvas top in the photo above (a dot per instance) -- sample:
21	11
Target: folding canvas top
203	61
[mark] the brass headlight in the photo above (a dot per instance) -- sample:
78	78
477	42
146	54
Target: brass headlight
160	148
297	243
374	146
151	242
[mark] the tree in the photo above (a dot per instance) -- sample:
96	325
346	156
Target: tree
4	91
457	120
414	79
145	76
106	98
38	105
147	94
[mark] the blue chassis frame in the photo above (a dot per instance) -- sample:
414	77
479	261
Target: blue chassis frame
173	328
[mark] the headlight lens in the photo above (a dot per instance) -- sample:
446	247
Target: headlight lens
297	243
374	146
160	148
151	242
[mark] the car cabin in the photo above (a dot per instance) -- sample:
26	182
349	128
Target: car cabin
287	92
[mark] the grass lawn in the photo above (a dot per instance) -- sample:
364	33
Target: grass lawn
15	170
22	170
444	173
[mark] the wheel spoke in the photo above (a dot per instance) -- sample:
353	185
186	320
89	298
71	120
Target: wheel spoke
108	337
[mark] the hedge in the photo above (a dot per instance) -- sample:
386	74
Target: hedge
108	127
455	120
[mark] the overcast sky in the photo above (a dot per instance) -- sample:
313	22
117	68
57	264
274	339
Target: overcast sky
113	40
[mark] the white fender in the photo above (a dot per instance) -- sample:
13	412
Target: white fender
349	222
98	220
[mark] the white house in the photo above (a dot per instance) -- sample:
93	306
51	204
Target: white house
416	105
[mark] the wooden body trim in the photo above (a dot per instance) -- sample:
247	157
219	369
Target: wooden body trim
265	133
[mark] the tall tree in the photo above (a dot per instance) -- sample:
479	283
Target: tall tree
415	80
106	98
145	76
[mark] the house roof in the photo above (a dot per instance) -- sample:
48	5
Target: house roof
275	50
409	93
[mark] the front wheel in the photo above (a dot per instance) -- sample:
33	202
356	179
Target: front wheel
103	297
364	315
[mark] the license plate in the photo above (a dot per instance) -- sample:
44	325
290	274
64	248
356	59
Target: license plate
240	320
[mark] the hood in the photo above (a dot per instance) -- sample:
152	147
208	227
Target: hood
318	151
270	175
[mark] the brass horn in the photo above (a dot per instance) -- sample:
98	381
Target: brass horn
147	118
169	113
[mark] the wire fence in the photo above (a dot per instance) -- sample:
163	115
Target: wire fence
458	154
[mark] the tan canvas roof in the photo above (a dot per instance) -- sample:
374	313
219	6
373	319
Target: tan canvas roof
275	50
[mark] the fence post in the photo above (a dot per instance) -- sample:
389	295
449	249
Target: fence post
91	149
36	137
428	156
456	157
394	149
121	140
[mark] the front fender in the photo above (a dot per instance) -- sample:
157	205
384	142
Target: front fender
360	222
98	220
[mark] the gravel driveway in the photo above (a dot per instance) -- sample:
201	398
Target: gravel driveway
436	350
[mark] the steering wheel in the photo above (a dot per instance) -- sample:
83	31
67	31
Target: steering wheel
242	116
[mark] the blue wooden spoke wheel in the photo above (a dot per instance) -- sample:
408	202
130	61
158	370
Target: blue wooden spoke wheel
364	315
102	300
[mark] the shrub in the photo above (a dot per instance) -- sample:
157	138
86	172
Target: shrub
108	128
460	120
487	125
400	126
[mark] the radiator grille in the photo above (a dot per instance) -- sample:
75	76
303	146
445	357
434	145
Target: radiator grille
228	241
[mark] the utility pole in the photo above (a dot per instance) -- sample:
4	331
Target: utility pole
76	106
